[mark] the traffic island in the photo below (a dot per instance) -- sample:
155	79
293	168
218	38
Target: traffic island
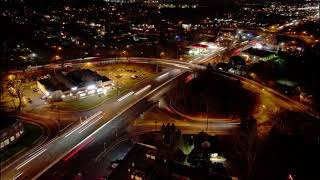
211	96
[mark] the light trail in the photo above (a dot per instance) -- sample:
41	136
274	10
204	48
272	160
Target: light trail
125	96
82	124
181	66
37	151
17	176
30	159
90	124
79	148
89	138
142	90
163	75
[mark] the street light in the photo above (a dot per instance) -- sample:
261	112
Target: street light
11	77
162	54
33	55
125	54
56	58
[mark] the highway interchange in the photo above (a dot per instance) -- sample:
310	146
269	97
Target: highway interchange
111	117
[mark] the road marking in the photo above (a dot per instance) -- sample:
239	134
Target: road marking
125	96
143	89
30	159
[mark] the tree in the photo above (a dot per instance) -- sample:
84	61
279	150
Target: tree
16	86
237	60
223	66
245	145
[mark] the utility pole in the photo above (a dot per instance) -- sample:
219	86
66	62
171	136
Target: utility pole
207	109
117	84
105	146
207	116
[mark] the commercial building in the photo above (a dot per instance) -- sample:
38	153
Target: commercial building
255	55
204	48
74	84
11	129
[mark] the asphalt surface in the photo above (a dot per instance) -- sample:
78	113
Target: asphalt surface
84	164
41	159
81	142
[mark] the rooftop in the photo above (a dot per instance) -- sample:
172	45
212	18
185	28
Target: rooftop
52	84
79	78
85	77
258	52
136	162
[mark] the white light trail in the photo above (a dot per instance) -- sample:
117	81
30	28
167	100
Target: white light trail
37	151
142	90
17	176
90	124
125	96
163	75
82	124
30	159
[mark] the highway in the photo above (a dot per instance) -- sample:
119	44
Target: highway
84	159
110	117
34	164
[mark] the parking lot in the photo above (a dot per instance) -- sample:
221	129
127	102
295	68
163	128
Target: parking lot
124	76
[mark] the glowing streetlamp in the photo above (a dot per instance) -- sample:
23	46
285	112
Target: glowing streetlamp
33	55
162	54
125	54
56	58
11	77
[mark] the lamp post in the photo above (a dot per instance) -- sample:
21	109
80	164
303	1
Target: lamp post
126	54
207	109
162	55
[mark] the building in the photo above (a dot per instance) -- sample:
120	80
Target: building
204	48
74	84
255	55
11	129
145	162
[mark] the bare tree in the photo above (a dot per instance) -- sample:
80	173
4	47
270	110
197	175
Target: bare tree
17	91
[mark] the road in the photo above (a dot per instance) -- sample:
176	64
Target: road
104	120
66	169
85	161
47	155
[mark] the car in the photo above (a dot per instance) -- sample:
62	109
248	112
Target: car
133	76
